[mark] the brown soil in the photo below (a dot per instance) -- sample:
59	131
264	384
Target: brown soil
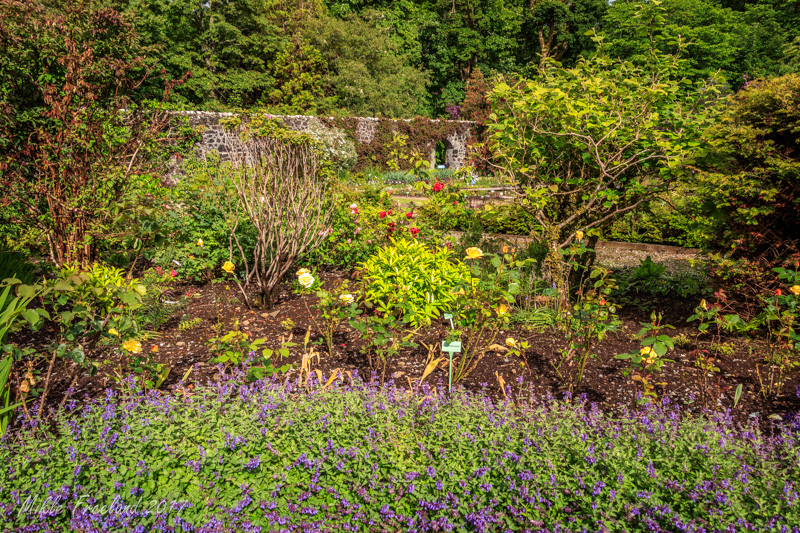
604	381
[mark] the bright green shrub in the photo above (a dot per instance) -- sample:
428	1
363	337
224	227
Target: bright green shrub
424	277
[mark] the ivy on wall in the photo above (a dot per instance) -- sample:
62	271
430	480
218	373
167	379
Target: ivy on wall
423	134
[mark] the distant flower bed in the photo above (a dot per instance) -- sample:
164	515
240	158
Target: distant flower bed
278	457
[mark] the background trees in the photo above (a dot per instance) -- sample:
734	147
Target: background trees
308	55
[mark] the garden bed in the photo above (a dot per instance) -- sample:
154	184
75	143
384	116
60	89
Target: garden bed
214	309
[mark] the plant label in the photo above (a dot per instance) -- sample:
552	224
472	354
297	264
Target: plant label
452	347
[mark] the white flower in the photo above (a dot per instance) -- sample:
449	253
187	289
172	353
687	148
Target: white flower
347	298
303	271
306	280
353	206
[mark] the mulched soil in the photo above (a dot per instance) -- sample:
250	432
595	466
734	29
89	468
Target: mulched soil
217	305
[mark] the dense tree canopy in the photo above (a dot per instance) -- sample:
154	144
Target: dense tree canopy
414	57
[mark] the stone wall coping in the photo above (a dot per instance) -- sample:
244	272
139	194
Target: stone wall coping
231	114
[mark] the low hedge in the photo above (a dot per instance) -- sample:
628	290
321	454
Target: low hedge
274	456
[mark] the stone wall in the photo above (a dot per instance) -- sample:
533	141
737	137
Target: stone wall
215	138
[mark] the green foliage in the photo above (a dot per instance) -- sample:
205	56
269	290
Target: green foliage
15	265
14	300
425	278
445	208
366	73
740	45
781	317
585	148
651	282
168	447
298	70
235	349
748	197
189	324
483	306
650	359
334	306
537	318
593	316
230	48
198	208
384	334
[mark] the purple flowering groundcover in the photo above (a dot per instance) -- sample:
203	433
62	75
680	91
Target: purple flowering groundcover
273	456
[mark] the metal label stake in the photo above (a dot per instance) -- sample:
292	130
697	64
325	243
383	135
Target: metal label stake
451	348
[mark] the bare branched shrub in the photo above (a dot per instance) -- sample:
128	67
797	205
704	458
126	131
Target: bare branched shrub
286	189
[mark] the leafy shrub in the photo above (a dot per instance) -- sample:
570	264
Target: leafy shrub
236	349
651	280
239	457
426	280
197	209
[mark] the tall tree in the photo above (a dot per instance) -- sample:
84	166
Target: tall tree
366	74
228	46
556	29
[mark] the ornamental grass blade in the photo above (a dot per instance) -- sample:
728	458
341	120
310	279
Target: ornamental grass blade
502	383
330	379
430	368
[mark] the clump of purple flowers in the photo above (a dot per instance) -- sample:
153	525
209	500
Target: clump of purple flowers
272	456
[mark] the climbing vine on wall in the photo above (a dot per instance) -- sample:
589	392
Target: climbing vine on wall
423	134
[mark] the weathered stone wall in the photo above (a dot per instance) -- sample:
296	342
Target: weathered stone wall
215	138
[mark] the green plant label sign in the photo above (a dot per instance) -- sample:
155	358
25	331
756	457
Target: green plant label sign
452	347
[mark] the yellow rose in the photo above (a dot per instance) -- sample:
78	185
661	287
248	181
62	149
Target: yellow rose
511	342
228	267
306	280
501	309
347	298
795	290
460	292
114	332
703	305
647	352
579	235
474	253
200	243
303	271
132	346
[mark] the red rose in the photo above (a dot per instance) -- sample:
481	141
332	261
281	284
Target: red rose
383	214
455	202
409	215
778	292
438	186
414	232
